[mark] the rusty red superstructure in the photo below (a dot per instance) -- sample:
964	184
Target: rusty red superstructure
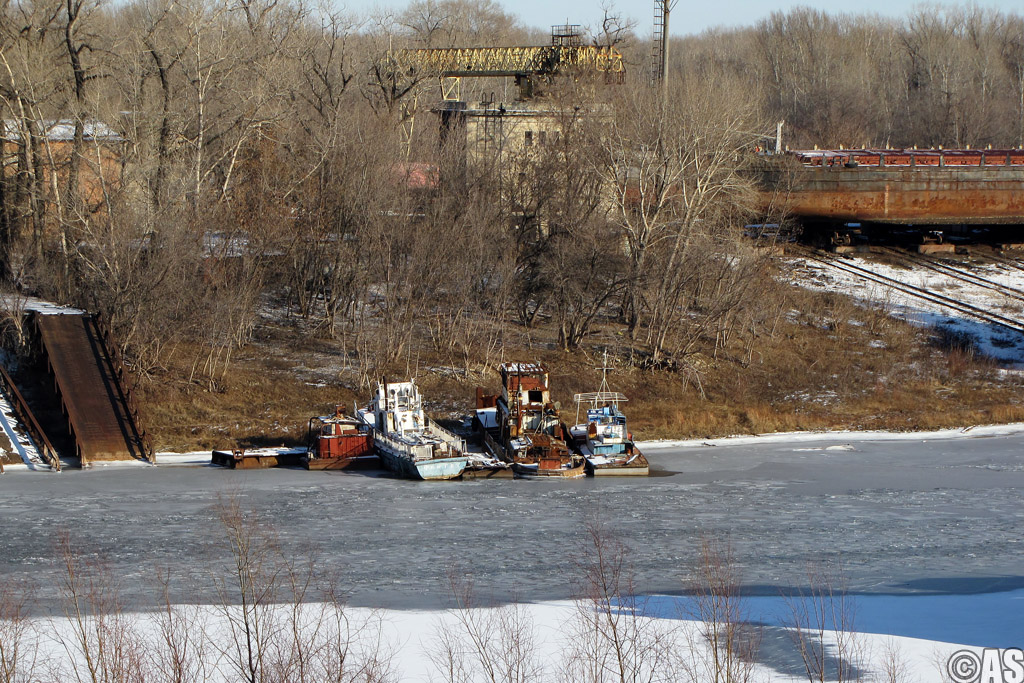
897	186
340	442
531	435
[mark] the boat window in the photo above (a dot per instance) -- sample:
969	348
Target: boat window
536	396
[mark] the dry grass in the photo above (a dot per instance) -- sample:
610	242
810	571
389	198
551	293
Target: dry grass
838	366
261	402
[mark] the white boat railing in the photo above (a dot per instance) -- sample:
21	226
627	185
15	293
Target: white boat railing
598	397
440	432
413	451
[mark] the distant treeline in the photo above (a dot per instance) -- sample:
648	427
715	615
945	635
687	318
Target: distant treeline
951	76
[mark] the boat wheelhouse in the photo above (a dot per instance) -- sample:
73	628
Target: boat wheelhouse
340	441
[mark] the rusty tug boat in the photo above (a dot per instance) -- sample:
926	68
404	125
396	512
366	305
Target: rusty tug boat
339	442
521	426
518	432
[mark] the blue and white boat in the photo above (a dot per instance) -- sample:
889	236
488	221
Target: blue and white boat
408	442
604	439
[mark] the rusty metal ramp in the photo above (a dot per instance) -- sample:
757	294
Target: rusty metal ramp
100	411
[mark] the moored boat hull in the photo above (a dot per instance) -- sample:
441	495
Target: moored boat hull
437	469
408	442
488	473
340	442
534	472
638	467
258	458
362	462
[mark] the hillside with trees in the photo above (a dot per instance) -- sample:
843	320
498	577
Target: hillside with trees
227	182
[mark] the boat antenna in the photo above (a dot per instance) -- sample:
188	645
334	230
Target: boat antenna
604	375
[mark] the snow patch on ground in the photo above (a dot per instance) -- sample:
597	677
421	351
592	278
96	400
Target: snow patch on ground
30	304
994	341
20	441
411	639
842	435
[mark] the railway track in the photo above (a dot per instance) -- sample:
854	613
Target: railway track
938	266
1012	263
914	291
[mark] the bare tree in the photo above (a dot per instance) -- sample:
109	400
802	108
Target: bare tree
822	628
484	643
675	177
1011	47
728	644
285	621
100	642
892	667
612	636
19	644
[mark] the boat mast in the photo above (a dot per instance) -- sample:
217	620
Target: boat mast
604	394
605	389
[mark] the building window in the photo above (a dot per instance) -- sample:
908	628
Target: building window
543	138
528	138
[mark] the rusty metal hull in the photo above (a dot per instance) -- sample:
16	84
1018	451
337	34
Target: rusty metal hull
259	459
909	188
488	473
361	462
573	470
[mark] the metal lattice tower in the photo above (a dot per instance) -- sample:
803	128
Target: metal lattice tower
567	35
658	46
493	128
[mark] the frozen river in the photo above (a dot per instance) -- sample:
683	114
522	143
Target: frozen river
904	516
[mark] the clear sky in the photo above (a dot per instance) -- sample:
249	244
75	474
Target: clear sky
688	16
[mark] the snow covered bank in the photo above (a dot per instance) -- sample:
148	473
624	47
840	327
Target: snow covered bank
993	341
550	640
973	432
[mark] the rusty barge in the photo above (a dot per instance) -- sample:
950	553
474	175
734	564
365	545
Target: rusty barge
891	187
258	458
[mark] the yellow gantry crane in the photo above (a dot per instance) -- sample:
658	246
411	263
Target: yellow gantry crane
525	64
522	63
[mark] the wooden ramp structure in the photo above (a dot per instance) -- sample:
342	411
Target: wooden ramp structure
89	381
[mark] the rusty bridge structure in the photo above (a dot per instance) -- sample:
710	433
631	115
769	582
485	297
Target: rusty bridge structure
517	62
90	383
524	64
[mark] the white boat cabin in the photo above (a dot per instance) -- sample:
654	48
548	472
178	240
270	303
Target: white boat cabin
606	430
397	408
